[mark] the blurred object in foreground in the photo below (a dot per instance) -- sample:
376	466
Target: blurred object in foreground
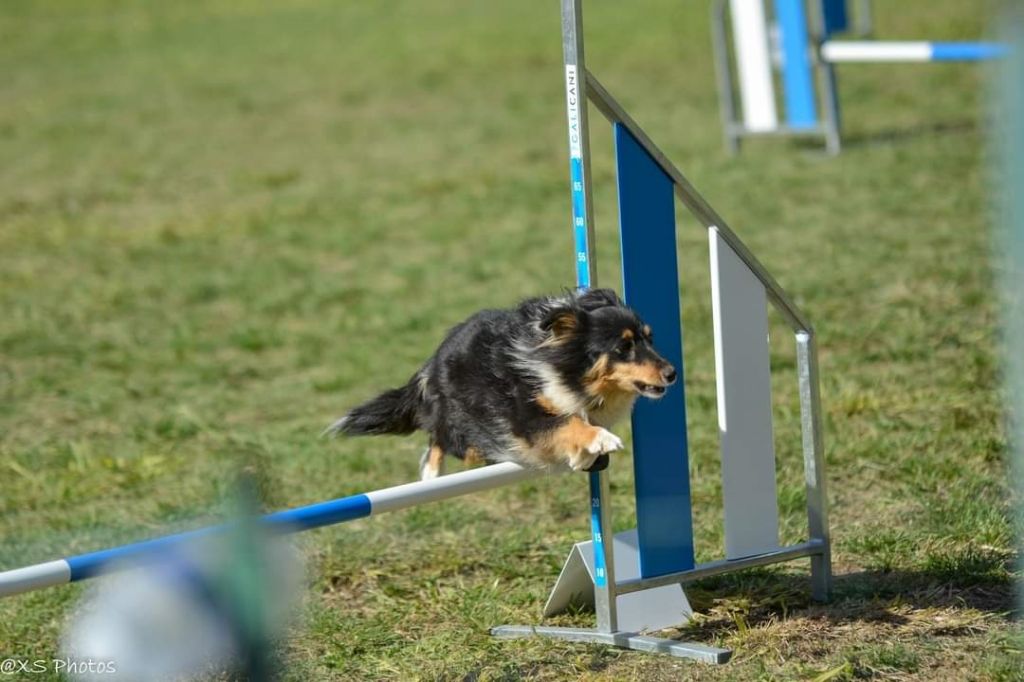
1008	145
219	603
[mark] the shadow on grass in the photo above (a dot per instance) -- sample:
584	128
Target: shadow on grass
871	138
882	597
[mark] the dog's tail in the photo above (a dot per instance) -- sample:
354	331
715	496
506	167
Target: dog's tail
392	411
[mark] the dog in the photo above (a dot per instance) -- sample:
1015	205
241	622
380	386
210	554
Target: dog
539	384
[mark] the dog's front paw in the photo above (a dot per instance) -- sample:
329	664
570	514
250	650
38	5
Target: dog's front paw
596	450
583	461
604	442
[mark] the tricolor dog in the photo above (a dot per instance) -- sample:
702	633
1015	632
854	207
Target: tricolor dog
538	384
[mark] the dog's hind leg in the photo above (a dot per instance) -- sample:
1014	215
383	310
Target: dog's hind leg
432	463
474	458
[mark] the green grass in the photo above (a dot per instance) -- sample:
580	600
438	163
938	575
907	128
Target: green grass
223	223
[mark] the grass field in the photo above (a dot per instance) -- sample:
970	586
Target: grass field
222	223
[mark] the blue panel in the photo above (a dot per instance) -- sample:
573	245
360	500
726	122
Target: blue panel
836	17
647	228
797	76
967	52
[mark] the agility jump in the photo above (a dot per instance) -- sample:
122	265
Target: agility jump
799	47
635	578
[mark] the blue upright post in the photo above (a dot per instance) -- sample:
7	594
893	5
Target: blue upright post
797	75
650	277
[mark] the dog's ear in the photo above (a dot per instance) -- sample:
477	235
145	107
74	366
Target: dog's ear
592	299
561	322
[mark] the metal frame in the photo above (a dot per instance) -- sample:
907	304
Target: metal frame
828	93
623	640
586	276
824	54
731	128
810	401
864	19
818	545
734	131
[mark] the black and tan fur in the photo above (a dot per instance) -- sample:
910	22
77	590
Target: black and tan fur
538	384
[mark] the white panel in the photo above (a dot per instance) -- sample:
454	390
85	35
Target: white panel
750	38
876	51
743	378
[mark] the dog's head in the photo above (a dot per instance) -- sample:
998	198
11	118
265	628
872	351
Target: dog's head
616	346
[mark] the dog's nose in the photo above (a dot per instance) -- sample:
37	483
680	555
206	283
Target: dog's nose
669	373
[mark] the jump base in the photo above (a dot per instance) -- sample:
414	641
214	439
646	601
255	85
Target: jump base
623	640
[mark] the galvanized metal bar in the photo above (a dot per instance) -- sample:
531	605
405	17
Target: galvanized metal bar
696	203
723	77
811	548
814	462
586	276
827	89
1006	146
624	640
579	142
864	20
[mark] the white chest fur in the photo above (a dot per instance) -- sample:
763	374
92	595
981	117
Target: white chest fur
612	410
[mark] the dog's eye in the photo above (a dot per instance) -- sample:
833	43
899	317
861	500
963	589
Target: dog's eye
626	347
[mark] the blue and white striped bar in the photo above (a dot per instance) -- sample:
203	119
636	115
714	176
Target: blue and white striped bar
82	566
838	51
